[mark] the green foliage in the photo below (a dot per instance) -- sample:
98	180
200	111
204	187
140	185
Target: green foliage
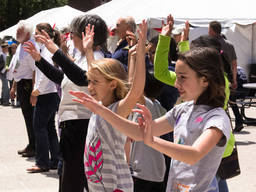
11	11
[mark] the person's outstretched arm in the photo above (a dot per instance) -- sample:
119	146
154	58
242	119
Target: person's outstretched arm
71	70
132	129
185	153
51	72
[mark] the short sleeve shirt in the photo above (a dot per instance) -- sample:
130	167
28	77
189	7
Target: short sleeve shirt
104	159
189	122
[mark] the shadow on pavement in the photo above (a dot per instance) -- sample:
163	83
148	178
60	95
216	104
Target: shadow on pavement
245	142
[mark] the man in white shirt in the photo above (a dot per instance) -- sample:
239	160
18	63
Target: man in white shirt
23	72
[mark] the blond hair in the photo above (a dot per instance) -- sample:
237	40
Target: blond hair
112	69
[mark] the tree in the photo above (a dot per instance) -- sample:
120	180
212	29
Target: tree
11	11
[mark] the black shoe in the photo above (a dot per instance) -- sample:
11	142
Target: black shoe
20	152
29	154
238	128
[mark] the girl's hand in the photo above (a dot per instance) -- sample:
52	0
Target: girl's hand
167	29
185	34
30	48
47	41
86	100
145	124
88	37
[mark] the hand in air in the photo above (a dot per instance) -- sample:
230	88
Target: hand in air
185	34
167	29
142	32
88	37
30	48
145	123
47	41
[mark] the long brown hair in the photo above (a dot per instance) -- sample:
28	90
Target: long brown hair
53	33
206	62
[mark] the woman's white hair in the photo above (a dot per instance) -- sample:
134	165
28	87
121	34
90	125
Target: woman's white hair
28	27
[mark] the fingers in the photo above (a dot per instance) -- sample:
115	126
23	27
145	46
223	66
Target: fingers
40	38
79	94
140	121
45	34
131	38
78	101
142	33
143	110
83	36
89	30
29	46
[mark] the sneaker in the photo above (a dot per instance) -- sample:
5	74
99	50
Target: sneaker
238	128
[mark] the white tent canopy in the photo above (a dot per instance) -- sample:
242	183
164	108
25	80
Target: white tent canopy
237	17
196	11
60	17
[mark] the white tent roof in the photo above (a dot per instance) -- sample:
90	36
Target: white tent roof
60	16
197	11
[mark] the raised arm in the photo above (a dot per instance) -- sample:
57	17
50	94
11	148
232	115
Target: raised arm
88	40
137	88
183	45
73	72
161	71
51	72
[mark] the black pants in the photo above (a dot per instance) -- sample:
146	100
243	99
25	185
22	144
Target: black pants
235	109
141	185
24	89
72	142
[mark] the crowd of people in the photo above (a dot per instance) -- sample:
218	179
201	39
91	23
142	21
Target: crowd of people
149	116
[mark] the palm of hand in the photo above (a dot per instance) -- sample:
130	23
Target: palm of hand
88	41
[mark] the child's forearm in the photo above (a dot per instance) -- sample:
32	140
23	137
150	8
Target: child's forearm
184	153
128	128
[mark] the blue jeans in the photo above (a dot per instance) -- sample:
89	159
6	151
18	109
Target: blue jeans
5	95
223	187
45	132
213	186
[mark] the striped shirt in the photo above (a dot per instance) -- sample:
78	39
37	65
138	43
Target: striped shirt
105	166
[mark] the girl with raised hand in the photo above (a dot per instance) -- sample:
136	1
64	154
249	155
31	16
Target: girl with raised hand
74	118
105	165
201	126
